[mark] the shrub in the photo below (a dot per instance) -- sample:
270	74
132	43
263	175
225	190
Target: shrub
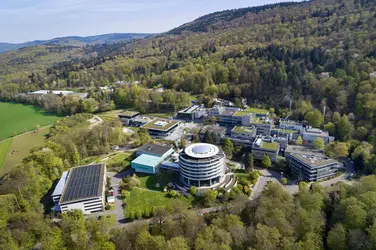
152	211
131	215
284	181
172	193
193	190
125	193
147	213
138	214
107	207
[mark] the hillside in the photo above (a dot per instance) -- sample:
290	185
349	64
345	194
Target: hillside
75	41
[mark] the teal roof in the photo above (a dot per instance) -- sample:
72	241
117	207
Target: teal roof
148	160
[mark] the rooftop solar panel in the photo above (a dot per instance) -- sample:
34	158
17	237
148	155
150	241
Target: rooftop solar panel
84	182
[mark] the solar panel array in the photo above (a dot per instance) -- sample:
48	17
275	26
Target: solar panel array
84	182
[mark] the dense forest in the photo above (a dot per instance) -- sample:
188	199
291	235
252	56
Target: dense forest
318	53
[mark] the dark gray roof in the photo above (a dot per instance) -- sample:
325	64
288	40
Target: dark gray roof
153	149
84	182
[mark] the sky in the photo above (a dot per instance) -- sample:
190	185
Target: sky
28	20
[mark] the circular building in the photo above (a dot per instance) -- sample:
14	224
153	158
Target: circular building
202	165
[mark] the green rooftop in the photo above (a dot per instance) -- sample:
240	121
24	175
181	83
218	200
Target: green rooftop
241	129
129	113
241	113
257	111
270	145
160	124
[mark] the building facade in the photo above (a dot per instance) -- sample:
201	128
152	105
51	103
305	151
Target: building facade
161	127
265	146
192	113
202	165
310	135
312	167
150	157
81	188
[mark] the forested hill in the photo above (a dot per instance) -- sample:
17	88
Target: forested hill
207	22
75	41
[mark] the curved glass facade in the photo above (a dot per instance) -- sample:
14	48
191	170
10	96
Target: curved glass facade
199	170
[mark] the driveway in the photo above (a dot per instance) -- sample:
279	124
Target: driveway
115	179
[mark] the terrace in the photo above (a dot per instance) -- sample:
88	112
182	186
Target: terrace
160	124
270	145
241	113
241	129
257	111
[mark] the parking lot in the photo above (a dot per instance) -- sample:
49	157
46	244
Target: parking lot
179	131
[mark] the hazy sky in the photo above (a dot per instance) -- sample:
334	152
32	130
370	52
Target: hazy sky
26	20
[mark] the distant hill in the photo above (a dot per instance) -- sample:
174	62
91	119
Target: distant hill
207	22
75	41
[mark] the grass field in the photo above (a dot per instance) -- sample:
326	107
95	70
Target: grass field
140	200
18	118
21	146
4	148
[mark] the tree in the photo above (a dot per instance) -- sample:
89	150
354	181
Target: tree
331	128
193	190
267	237
248	162
336	149
265	161
228	147
344	129
182	142
177	243
314	118
213	238
319	143
209	198
207	137
284	181
299	141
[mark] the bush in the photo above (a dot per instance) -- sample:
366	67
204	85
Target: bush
193	190
284	181
125	193
107	207
152	211
138	214
131	215
132	182
172	193
147	213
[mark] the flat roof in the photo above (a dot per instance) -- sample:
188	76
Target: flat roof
270	145
148	160
213	128
257	111
153	149
160	124
189	110
84	182
129	113
242	129
228	112
201	150
241	113
313	160
61	184
316	131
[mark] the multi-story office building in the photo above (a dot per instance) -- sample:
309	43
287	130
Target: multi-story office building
161	127
192	113
202	165
312	167
81	188
265	146
309	135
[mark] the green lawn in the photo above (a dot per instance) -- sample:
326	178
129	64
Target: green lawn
18	118
140	200
21	146
4	148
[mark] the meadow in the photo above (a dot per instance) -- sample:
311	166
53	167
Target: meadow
18	118
19	147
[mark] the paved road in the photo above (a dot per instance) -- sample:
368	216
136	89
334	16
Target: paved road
292	187
116	178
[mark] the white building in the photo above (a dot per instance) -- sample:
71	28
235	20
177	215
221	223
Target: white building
202	165
81	188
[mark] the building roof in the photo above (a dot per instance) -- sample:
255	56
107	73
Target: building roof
160	124
213	128
201	150
55	92
258	111
128	113
84	182
189	110
148	160
316	132
153	149
241	113
61	184
313	160
242	129
228	112
270	145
